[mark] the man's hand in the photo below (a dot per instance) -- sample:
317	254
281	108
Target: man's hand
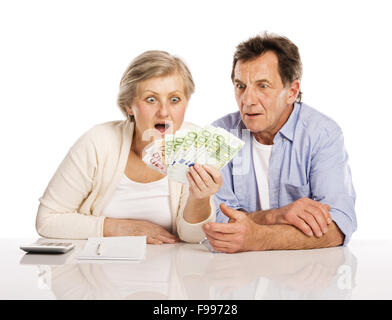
309	216
239	235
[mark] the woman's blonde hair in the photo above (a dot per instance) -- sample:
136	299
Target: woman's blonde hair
151	64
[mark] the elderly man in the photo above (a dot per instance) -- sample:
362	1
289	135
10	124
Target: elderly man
290	187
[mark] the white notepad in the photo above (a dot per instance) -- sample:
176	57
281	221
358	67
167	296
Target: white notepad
114	248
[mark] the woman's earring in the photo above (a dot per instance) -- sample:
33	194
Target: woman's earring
131	117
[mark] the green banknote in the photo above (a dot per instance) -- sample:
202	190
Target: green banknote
208	145
176	153
194	144
173	143
221	148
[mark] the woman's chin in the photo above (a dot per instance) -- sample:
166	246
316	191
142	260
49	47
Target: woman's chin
160	132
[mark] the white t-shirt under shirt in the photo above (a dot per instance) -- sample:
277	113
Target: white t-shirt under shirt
141	201
261	157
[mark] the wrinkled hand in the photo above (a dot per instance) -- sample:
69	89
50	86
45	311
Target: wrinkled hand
309	216
204	181
155	234
239	235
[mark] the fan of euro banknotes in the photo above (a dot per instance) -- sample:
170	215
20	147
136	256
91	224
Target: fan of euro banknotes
176	153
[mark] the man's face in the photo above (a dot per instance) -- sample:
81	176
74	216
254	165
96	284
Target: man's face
261	96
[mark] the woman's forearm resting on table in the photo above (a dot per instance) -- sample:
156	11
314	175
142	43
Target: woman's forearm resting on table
155	234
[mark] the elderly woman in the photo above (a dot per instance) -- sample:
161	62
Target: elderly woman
103	188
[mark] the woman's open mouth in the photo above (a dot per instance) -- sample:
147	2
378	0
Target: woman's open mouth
162	127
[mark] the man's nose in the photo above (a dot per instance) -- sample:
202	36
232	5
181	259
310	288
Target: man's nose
249	98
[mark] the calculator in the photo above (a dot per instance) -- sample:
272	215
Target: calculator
48	247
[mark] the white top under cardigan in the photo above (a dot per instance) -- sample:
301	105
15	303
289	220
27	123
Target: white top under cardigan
72	204
141	201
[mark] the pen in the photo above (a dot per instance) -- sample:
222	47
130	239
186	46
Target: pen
99	249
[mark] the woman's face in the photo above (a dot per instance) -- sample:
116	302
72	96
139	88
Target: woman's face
159	106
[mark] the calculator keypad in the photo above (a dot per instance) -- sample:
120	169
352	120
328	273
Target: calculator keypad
56	244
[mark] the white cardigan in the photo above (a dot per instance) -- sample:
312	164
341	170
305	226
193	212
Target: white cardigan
72	203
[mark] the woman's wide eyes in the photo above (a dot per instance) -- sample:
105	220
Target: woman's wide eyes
172	99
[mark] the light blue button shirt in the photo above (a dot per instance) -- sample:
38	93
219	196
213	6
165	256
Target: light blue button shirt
308	159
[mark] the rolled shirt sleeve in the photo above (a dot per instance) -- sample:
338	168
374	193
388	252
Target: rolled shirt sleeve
331	182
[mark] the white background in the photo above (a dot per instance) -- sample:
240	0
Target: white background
61	63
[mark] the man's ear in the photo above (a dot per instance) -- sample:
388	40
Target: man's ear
293	91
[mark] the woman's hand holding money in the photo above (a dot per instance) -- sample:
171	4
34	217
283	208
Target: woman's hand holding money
204	181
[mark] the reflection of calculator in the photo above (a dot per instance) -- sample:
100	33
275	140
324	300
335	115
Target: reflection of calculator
48	247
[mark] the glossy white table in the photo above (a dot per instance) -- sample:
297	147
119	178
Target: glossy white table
363	270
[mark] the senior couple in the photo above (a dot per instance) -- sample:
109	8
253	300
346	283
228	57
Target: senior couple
289	187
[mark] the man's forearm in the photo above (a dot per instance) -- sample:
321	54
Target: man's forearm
263	217
287	237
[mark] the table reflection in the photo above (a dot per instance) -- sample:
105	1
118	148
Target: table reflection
186	271
305	274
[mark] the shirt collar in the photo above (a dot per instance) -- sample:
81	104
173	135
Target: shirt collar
240	125
288	128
